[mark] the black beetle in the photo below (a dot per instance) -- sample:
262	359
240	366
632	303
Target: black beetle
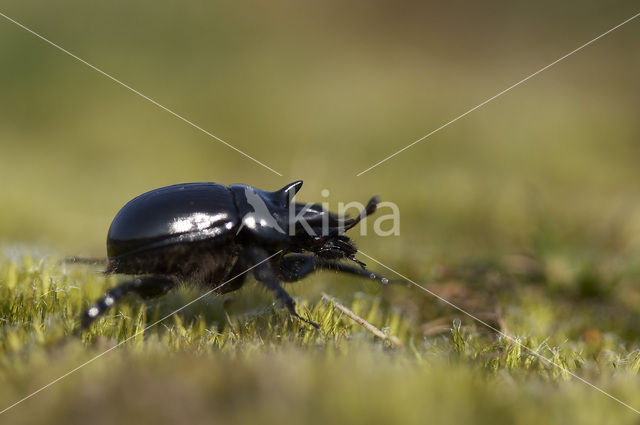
206	233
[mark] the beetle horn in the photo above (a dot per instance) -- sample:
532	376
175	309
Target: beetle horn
371	207
287	193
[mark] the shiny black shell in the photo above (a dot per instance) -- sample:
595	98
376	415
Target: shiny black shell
182	213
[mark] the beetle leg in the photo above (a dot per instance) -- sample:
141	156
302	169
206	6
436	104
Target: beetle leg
239	273
294	267
348	268
146	287
265	274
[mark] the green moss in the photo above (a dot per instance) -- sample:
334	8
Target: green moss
257	364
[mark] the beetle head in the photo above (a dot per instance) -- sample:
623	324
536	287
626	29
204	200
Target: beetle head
322	232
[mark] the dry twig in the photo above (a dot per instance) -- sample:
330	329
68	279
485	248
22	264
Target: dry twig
359	320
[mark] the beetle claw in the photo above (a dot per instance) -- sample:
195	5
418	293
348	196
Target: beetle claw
310	322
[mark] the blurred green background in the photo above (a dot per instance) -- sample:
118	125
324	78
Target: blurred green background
319	92
541	182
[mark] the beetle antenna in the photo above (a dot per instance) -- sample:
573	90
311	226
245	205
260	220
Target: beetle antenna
84	260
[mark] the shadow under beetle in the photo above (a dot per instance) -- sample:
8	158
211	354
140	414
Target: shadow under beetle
207	233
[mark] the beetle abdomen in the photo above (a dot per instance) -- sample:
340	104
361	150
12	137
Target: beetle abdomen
172	215
200	262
